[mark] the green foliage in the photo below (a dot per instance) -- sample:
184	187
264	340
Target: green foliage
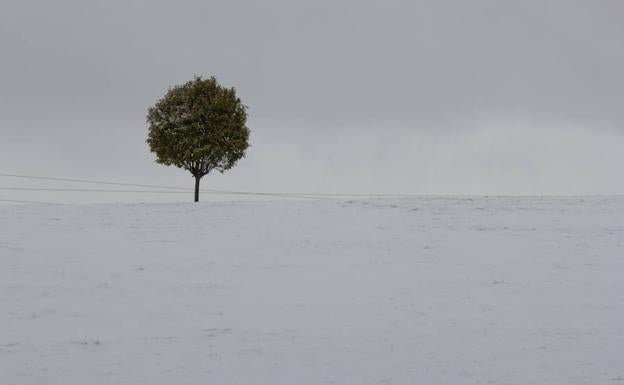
199	126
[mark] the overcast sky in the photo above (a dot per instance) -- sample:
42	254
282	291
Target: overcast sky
425	97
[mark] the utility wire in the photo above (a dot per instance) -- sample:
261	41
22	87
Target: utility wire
310	194
152	192
180	189
30	202
88	190
92	181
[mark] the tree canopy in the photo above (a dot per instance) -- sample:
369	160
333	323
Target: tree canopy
199	126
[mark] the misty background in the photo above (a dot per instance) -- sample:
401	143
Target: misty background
421	97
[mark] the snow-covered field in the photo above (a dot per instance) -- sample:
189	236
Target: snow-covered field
427	290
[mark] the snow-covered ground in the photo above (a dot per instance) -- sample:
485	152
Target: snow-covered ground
427	290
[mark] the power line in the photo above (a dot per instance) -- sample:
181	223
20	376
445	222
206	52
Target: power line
92	181
151	192
187	190
311	194
31	202
88	190
216	192
75	180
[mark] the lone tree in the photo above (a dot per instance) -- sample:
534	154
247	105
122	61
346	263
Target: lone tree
198	126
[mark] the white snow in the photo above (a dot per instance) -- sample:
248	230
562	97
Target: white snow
429	290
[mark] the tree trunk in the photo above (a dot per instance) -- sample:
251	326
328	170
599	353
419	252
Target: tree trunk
197	178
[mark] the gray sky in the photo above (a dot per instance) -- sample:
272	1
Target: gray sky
427	97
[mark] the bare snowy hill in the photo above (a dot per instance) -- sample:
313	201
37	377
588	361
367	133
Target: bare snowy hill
387	291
